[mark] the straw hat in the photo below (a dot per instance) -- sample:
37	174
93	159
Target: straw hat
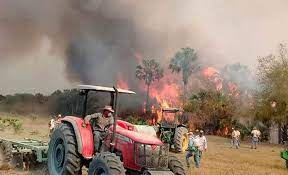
108	108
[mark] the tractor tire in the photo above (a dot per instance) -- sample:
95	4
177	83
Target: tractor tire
5	155
176	166
106	163
181	139
63	157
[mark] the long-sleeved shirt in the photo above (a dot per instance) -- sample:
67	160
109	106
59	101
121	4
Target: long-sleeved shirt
193	143
203	143
99	122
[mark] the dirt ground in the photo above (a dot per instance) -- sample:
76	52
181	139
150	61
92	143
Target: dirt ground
219	159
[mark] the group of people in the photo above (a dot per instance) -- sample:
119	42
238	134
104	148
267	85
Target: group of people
198	143
235	140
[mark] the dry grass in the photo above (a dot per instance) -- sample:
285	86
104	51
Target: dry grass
220	159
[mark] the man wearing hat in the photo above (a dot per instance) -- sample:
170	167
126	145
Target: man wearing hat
193	149
203	142
100	123
255	133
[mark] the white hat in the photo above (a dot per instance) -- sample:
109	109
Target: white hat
108	108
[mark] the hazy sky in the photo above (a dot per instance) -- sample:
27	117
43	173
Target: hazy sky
33	39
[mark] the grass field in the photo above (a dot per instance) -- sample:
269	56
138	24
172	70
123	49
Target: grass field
219	159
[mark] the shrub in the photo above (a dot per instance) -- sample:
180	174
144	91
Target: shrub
17	126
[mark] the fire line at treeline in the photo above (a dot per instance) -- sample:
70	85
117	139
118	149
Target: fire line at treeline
167	91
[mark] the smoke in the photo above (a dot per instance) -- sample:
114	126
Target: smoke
97	39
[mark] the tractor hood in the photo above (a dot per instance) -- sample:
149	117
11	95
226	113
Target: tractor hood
138	137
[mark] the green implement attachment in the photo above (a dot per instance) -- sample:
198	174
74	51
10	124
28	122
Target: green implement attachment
284	155
26	149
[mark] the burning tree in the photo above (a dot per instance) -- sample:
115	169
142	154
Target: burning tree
149	71
184	60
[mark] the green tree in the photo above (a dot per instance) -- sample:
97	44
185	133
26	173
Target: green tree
149	71
213	108
185	61
272	96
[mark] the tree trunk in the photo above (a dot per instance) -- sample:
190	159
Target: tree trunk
147	107
185	93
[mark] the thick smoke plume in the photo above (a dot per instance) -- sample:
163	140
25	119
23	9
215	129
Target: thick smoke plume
98	39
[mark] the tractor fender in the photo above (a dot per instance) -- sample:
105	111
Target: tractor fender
84	136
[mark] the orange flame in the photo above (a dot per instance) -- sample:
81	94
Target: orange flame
166	92
212	74
121	83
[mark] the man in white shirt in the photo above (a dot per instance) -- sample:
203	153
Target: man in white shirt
202	141
255	133
235	138
193	149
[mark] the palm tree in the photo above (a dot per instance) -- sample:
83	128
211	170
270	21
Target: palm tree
149	71
184	60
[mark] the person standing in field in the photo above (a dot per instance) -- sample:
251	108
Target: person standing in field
193	150
51	126
235	138
202	142
255	133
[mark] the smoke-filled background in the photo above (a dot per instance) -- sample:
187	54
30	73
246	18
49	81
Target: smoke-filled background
46	45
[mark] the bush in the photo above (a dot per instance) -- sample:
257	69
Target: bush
17	126
2	125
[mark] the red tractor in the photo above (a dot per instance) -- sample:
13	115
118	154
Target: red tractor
123	151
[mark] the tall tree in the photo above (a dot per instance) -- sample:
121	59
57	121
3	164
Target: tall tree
185	61
149	71
272	96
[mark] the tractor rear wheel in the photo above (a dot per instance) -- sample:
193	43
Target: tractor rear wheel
106	163
63	157
176	166
181	139
5	155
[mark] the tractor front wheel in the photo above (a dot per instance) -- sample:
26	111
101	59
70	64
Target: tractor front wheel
106	163
176	166
5	155
181	139
63	157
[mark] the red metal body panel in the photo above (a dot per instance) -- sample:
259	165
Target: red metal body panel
126	136
134	135
84	136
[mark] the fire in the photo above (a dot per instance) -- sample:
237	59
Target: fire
213	75
121	83
166	92
210	72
